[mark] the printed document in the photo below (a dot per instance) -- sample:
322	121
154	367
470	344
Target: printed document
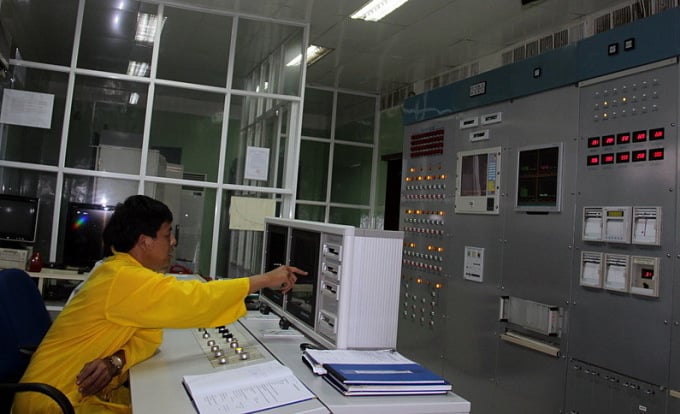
245	390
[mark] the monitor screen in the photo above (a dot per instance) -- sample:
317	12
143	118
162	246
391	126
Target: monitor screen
18	218
305	249
275	255
83	244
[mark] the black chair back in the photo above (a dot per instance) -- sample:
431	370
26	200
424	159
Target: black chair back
24	321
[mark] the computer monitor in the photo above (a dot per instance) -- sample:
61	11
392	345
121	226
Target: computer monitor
305	249
18	218
276	248
83	243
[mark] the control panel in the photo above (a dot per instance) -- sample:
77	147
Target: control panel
228	345
626	180
427	193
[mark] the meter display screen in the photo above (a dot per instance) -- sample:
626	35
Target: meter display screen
623	157
593	160
607	158
647	273
640	155
608	140
640	136
593	142
623	138
615	213
655	134
656	154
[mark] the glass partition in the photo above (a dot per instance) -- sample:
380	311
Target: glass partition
118	36
240	233
348	216
312	177
194	47
186	126
351	172
310	212
317	117
268	57
40	30
256	141
144	111
192	211
355	118
36	138
106	112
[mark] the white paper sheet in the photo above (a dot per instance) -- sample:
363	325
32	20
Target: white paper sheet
257	163
24	108
247	389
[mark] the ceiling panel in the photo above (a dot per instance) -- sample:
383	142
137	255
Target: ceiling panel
420	40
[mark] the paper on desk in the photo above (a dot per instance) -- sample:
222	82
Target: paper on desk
247	389
262	316
281	333
318	357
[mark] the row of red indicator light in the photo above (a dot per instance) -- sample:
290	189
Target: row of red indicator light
626	138
626	156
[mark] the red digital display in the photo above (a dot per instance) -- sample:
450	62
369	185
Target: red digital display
640	155
607	158
656	154
655	134
623	157
623	138
647	273
640	136
594	160
593	142
608	140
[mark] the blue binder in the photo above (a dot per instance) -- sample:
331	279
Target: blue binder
388	374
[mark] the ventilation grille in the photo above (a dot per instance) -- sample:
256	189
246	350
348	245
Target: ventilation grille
547	43
590	25
531	49
603	23
194	177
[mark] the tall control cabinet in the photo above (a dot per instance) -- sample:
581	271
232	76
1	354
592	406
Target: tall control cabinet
541	232
350	298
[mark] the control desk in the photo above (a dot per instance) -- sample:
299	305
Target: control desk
156	384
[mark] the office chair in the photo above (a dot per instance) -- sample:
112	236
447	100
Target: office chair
24	321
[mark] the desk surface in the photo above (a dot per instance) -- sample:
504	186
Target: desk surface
156	384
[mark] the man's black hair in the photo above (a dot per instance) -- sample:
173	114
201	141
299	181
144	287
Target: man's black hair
137	215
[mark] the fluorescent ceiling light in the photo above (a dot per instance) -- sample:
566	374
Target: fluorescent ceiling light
146	27
375	10
138	68
314	53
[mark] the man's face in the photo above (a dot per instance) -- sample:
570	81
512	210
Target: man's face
160	248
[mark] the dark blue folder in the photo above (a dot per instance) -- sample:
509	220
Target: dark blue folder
395	374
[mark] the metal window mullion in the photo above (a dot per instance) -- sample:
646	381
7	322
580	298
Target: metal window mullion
59	188
374	158
224	137
331	154
151	92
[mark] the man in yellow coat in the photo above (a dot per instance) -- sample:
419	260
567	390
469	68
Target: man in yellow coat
117	319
